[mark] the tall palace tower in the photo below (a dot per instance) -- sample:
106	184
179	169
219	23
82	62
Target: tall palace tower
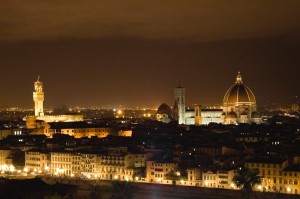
38	98
179	106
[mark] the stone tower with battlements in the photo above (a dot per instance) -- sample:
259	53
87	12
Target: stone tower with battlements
38	98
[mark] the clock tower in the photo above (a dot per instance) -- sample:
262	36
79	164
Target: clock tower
38	98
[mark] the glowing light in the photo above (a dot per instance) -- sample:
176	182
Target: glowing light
119	112
178	173
46	168
126	179
72	175
259	187
4	167
116	177
206	183
136	178
181	181
289	189
232	185
25	169
158	179
11	168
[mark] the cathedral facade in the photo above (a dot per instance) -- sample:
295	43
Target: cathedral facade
239	106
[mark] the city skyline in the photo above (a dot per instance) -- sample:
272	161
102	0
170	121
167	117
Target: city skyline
134	54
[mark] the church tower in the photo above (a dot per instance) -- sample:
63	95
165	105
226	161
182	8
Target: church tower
180	104
38	98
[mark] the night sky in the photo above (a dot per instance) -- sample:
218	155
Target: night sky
134	52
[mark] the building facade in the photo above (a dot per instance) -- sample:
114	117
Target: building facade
157	171
37	161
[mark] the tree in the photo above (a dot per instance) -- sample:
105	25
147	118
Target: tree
246	179
123	190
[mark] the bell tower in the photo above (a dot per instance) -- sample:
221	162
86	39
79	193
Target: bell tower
180	104
38	98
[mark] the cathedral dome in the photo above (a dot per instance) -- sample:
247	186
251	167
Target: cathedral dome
239	93
164	109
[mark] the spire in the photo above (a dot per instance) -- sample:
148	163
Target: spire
239	78
179	85
38	79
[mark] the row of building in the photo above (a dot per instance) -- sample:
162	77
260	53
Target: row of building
278	174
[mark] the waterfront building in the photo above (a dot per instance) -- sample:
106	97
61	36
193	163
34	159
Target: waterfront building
37	161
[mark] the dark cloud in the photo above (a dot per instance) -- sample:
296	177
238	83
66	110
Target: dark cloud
199	20
134	52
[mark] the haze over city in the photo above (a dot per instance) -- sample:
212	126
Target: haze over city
100	53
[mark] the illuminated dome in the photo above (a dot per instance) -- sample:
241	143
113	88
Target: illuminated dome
239	103
239	93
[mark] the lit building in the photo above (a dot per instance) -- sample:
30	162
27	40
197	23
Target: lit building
61	163
278	175
88	165
199	116
157	171
239	104
37	161
212	179
194	175
4	156
81	129
291	179
218	179
38	98
116	164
